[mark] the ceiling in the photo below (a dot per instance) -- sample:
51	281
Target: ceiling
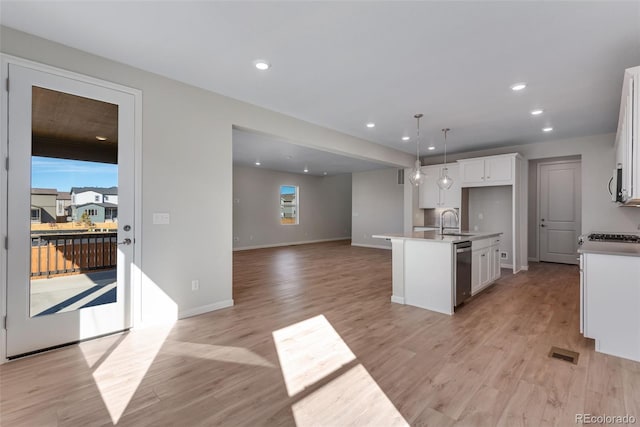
67	126
343	64
276	153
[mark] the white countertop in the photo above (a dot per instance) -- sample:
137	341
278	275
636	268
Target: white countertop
436	237
610	248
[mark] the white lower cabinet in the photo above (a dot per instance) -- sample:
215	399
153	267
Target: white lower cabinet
485	263
610	303
495	260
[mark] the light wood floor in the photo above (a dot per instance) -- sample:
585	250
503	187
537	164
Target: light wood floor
314	340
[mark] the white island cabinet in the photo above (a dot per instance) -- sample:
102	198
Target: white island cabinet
485	263
610	297
423	268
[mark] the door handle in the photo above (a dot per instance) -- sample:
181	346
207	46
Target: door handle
541	225
609	186
126	241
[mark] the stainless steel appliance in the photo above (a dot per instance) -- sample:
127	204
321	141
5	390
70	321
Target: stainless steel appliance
462	277
615	186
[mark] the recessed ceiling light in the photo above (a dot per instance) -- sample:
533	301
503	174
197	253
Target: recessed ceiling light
536	112
324	173
371	125
405	138
431	147
306	170
101	138
547	129
261	64
258	163
518	86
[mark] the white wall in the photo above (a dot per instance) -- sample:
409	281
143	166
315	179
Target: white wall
324	208
597	154
186	154
491	209
377	206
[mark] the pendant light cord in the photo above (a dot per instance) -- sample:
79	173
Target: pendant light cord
418	141
418	116
445	145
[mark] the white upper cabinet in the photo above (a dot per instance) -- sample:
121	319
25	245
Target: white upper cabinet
431	196
487	171
472	170
627	138
499	169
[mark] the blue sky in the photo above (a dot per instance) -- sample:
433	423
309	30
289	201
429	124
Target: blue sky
63	174
287	189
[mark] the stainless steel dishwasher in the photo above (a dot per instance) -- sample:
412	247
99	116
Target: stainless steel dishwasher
462	272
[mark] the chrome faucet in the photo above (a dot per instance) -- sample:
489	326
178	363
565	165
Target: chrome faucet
455	214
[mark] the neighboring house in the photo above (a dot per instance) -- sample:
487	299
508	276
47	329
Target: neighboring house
287	206
100	203
43	205
83	195
63	206
97	212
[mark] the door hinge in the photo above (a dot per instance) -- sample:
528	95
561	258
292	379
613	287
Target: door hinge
7	84
6	164
4	322
6	242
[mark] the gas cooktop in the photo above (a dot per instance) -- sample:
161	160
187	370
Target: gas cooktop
611	237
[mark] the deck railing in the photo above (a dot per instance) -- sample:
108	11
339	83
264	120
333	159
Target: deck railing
54	254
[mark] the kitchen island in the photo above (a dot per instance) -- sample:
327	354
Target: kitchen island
423	267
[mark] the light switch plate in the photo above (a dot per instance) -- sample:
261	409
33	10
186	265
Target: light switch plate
161	218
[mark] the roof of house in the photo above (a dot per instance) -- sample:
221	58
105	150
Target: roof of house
102	205
108	191
51	191
64	195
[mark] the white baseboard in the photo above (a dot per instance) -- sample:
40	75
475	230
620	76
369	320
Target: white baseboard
534	259
397	300
205	309
525	267
509	266
371	246
277	245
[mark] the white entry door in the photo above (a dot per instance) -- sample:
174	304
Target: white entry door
70	210
559	216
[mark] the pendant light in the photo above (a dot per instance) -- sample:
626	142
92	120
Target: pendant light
416	177
445	181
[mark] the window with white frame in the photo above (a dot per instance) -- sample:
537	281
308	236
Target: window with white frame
289	204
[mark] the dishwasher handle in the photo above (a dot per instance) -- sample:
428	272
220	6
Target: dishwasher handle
467	249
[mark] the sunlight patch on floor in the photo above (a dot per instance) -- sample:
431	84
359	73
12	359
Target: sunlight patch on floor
309	351
327	383
218	353
353	398
124	366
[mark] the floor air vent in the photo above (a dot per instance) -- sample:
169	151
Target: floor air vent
564	354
